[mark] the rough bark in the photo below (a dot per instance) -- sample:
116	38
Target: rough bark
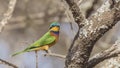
78	17
94	28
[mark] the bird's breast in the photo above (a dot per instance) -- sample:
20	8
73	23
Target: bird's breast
56	35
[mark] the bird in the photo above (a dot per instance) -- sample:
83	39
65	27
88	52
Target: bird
46	41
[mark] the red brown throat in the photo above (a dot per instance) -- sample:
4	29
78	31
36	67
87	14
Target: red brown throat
56	36
54	33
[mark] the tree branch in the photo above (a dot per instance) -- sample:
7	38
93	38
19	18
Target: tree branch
8	63
109	53
76	12
8	14
55	55
94	28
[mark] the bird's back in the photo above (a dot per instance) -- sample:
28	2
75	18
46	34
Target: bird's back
41	41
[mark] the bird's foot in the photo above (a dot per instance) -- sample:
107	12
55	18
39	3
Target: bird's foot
47	52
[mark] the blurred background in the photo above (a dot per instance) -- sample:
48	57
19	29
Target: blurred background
31	19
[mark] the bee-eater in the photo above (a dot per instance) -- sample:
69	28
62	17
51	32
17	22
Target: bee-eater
46	41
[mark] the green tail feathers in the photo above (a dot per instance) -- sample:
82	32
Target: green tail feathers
18	53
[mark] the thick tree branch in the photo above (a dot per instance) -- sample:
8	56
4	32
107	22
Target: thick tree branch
109	53
8	63
94	28
78	18
8	14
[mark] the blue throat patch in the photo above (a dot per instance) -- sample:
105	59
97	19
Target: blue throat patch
55	32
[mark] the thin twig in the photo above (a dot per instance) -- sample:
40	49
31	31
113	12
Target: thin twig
8	14
8	63
36	53
55	55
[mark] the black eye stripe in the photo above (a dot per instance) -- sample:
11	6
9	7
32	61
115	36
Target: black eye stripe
54	26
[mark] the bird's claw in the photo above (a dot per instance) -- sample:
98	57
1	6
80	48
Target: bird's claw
47	52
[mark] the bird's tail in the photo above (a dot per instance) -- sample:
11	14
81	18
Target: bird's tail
18	53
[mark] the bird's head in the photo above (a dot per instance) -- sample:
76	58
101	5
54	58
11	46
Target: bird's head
55	26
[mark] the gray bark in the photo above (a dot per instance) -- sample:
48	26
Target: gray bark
90	30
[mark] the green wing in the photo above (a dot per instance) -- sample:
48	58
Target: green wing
44	40
48	40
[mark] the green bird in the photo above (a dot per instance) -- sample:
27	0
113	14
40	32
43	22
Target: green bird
46	41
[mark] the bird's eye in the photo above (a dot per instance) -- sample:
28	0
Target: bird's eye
52	25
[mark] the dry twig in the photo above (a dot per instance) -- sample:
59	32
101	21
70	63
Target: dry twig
8	63
8	14
55	55
36	54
